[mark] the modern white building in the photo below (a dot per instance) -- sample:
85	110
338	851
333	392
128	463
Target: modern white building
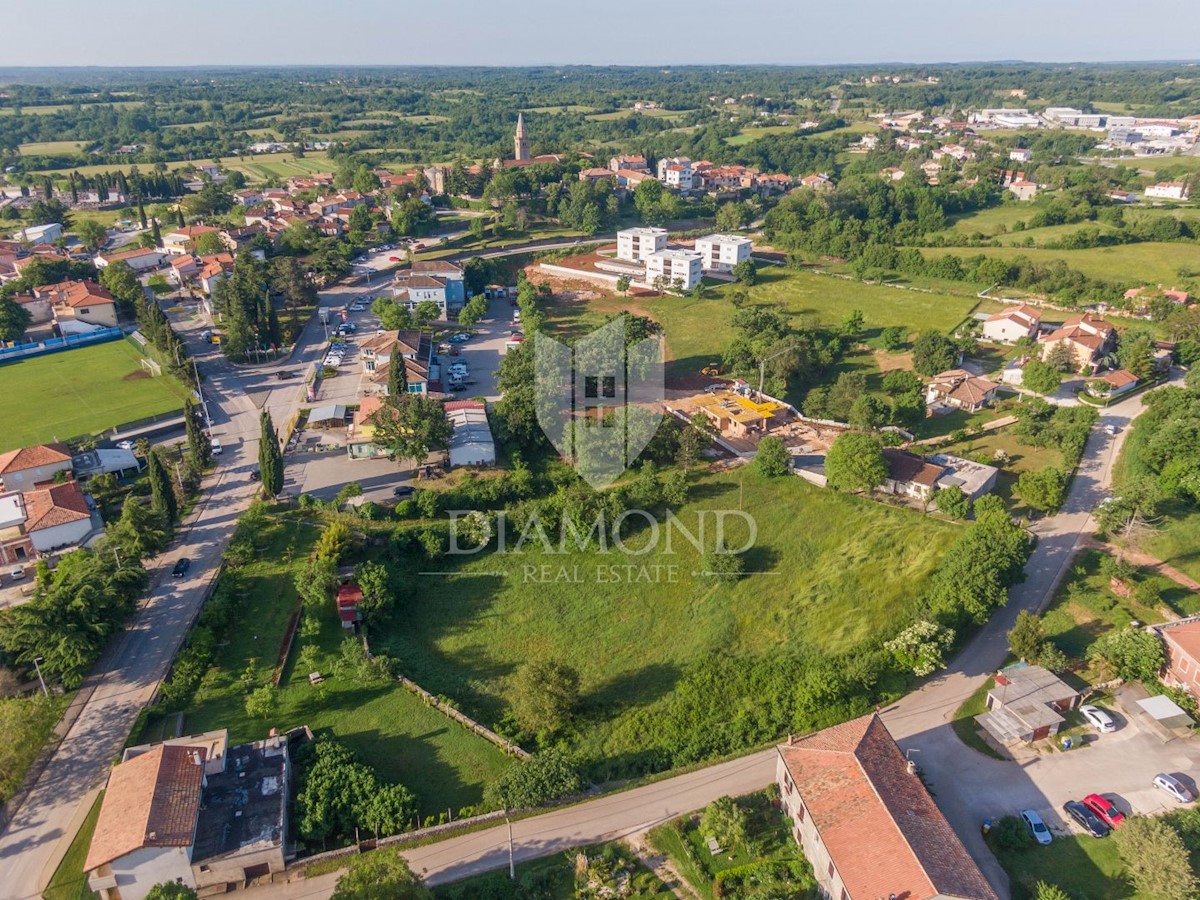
676	172
680	268
1168	190
41	234
721	252
635	244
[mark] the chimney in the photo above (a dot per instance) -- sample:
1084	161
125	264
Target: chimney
912	770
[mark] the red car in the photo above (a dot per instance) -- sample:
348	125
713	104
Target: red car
394	259
1108	813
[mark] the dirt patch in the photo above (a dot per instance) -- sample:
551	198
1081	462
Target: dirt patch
136	375
890	362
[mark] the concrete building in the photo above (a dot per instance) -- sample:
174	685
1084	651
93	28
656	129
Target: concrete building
679	268
41	234
1181	640
21	469
140	259
866	821
1168	190
959	389
471	442
721	252
1026	705
676	172
1012	324
635	244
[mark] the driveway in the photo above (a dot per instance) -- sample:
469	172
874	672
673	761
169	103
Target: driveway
485	350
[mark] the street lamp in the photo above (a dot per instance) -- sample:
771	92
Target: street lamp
36	660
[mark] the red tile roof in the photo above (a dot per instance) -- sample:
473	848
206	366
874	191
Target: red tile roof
880	826
1184	635
152	801
33	457
58	504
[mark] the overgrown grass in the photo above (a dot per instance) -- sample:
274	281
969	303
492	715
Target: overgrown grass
1146	262
390	728
26	723
79	392
964	724
70	881
1082	866
829	573
1177	540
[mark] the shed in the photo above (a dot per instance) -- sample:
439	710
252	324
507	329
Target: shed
1165	711
328	415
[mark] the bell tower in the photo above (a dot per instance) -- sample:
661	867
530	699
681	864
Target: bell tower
520	140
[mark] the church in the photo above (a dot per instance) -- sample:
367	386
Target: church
521	155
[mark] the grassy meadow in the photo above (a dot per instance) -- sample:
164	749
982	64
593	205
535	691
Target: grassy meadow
1149	262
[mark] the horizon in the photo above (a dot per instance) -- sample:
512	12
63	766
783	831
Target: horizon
277	33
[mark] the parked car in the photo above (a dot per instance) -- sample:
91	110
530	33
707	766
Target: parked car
1173	786
1098	718
1037	827
1088	820
284	376
181	567
215	446
125	445
17	574
456	386
394	259
404	490
255	475
1104	808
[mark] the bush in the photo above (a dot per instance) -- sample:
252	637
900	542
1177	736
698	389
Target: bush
1011	833
722	565
1157	859
772	457
724	820
536	781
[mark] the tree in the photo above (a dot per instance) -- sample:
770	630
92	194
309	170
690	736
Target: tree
380	875
1157	858
693	438
260	702
139	532
545	694
855	462
426	312
1134	654
952	501
410	426
14	319
161	491
746	272
389	810
170	890
1041	378
623	283
726	821
91	233
1044	891
933	352
376	586
397	383
1027	641
1136	353
722	565
199	445
540	779
1061	358
892	338
270	458
772	457
922	647
1043	489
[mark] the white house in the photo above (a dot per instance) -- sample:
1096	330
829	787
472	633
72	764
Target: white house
57	516
1168	190
21	469
676	172
1010	325
721	252
680	268
140	259
1020	155
635	244
471	442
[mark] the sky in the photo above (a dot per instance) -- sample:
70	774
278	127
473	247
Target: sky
559	32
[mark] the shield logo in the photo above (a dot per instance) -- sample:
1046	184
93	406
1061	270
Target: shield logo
601	405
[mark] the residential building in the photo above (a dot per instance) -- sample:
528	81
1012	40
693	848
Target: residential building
348	600
21	469
1010	325
635	244
184	267
1023	189
866	821
1113	384
192	811
436	281
596	174
629	179
471	442
721	252
632	163
1026	704
1181	640
682	172
959	389
79	306
57	516
16	549
1087	337
973	478
679	269
360	434
1020	155
414	347
1168	190
910	475
817	182
183	240
140	259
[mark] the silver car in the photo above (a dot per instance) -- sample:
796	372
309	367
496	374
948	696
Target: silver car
1098	718
1037	827
1174	787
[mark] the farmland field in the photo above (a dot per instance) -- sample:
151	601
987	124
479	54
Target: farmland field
753	133
652	113
465	633
50	148
78	392
255	167
1148	262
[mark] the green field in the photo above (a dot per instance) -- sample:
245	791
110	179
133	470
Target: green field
255	167
391	729
998	223
50	148
753	133
820	589
1177	541
79	392
69	881
1158	163
1081	866
59	107
1148	262
674	114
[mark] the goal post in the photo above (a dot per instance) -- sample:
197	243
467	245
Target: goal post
154	368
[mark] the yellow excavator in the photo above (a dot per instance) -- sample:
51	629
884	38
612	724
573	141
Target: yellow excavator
712	370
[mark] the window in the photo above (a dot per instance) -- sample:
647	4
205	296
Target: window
800	812
831	868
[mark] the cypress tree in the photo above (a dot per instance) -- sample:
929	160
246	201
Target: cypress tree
270	459
397	375
74	189
179	217
141	213
162	494
155	232
199	446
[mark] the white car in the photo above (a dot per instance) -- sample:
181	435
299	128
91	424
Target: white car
125	445
1037	827
1098	718
1173	786
216	446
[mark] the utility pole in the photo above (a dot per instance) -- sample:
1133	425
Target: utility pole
762	366
38	659
512	869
